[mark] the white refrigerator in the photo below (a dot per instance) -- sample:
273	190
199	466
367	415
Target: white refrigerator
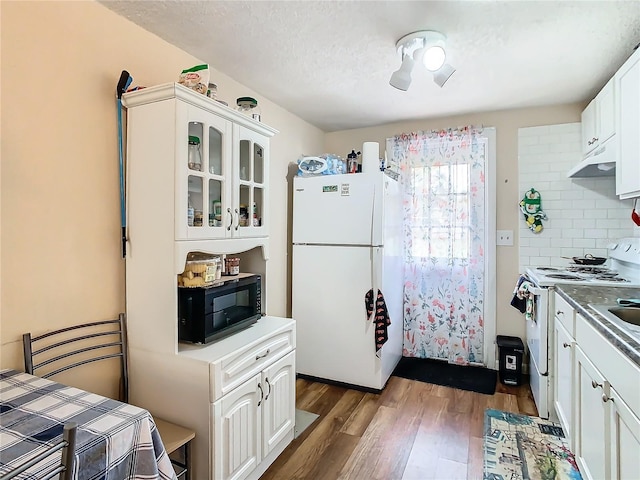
346	240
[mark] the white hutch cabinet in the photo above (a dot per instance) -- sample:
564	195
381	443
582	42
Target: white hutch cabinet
197	180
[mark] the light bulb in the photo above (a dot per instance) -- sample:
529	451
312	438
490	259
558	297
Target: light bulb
434	58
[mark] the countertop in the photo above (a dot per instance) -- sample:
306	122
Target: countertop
580	296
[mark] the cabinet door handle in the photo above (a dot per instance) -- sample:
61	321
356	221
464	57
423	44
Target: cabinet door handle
258	357
566	345
261	395
230	219
605	398
559	312
595	384
266	379
237	218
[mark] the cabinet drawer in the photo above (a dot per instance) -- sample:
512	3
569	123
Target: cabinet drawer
232	370
565	314
621	373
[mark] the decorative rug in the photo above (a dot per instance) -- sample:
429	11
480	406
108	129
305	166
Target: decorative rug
528	448
439	372
303	420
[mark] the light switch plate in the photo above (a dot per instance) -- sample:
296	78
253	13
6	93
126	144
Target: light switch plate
504	237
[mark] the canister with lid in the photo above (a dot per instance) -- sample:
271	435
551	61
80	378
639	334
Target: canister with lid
194	155
249	106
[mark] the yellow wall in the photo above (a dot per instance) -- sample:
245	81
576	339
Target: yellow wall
60	220
506	123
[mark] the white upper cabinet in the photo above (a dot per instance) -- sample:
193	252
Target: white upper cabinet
598	119
212	161
627	84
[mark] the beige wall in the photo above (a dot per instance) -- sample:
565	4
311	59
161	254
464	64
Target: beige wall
60	218
506	123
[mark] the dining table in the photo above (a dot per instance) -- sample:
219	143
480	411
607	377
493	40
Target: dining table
114	440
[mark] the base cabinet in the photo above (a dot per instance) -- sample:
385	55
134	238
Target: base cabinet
625	439
253	419
237	418
564	346
605	406
237	394
592	430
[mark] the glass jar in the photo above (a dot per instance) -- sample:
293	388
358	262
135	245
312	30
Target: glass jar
212	91
194	157
244	216
249	106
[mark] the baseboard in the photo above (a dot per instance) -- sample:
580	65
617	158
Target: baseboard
338	384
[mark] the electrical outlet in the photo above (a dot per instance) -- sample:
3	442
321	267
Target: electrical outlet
504	237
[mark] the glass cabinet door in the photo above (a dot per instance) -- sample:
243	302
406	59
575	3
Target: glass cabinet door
252	175
204	153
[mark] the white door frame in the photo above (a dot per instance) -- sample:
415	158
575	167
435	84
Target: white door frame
490	294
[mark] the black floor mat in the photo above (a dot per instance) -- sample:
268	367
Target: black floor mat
475	379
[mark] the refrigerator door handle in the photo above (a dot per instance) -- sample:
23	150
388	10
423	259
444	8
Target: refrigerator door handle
376	266
373	219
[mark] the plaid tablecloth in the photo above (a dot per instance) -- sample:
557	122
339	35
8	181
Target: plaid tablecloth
114	440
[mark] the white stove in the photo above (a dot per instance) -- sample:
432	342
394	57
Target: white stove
622	268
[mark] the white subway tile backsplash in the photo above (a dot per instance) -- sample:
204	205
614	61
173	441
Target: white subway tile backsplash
572	233
618	213
528	140
596	233
535	149
541	261
585	204
572	194
584	243
607	223
595	213
584	214
557	243
573	137
584	224
531	251
565	128
533	131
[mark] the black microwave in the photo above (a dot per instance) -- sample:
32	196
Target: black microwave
208	313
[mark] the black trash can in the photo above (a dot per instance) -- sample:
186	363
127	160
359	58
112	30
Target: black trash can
511	352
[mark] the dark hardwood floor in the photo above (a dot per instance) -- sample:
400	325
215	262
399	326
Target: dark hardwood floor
411	431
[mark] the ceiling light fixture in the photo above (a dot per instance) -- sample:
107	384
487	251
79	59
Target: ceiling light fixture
428	47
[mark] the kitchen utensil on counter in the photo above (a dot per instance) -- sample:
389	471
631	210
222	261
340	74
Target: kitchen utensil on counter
588	259
634	215
629	302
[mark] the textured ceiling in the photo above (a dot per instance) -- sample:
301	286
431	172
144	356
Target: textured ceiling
329	62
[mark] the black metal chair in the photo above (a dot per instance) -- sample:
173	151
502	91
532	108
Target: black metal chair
72	347
64	468
57	351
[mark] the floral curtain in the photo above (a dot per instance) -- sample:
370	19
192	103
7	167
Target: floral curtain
442	174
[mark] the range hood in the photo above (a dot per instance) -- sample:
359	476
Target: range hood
600	163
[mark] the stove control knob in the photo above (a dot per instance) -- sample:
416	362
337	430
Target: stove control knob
613	246
626	247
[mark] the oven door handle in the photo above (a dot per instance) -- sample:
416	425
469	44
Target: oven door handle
538	291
